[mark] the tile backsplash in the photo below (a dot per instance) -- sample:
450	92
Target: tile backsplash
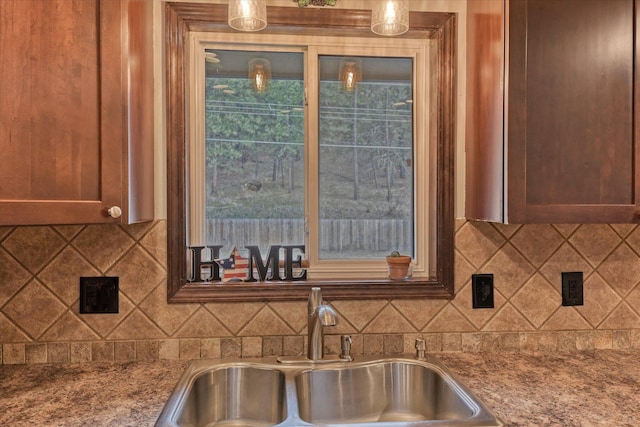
40	322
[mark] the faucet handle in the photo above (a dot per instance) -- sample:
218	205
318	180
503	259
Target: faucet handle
345	344
420	349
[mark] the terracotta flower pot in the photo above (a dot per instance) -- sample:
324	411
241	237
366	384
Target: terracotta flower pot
399	267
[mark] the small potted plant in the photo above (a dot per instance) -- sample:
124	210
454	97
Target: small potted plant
399	266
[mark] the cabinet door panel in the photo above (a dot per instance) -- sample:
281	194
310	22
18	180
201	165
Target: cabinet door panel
570	110
61	115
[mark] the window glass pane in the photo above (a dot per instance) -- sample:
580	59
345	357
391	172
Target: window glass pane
366	180
254	149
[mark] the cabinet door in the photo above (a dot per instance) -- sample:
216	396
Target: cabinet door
63	111
570	128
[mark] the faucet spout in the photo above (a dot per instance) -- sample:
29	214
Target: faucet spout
320	314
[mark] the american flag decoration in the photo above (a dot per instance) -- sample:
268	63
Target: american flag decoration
234	267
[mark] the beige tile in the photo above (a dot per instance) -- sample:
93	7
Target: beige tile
136	326
13	354
294	313
537	300
34	308
168	317
69	327
138	229
103	245
169	349
105	323
490	342
139	274
529	341
566	229
58	353
147	350
409	342
124	350
634	338
68	231
621	340
478	241
599	300
537	242
331	344
10	332
202	325
433	342
622	317
633	239
230	347
548	341
373	344
449	319
80	352
189	349
155	242
419	312
251	346
62	274
451	342
4	231
36	353
210	348
594	242
510	270
584	340
12	276
507	230
463	271
566	258
565	319
603	340
271	346
293	346
33	247
621	269
102	351
359	313
234	316
389	320
510	341
266	322
566	340
508	319
393	344
478	317
624	230
471	342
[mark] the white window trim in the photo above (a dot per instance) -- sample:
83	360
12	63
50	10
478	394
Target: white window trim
417	49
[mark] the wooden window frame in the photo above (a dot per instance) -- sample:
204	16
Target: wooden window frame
182	18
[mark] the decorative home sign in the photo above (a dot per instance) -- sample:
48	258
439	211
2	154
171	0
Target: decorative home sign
238	268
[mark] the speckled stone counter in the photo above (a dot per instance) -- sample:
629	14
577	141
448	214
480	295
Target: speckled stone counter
591	388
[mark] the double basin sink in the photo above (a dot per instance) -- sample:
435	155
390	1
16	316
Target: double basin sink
369	392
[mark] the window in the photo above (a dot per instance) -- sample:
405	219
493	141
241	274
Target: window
291	156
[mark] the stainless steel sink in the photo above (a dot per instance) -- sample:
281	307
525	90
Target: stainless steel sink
369	392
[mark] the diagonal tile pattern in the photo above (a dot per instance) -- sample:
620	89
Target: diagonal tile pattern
39	290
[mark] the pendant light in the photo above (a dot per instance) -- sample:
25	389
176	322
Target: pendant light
350	73
259	73
390	17
247	15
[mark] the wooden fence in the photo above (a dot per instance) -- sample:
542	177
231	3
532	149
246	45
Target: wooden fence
344	235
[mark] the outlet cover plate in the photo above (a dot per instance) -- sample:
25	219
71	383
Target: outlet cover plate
482	290
572	288
99	295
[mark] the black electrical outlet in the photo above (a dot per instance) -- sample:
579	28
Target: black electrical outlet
98	295
572	292
482	290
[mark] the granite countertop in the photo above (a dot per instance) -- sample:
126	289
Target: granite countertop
586	388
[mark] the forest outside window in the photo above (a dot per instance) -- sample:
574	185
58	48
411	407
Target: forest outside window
306	160
309	157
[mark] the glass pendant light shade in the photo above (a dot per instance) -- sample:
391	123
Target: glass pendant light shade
350	73
390	17
259	73
248	15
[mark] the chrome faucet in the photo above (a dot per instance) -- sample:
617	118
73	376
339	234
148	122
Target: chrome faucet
320	314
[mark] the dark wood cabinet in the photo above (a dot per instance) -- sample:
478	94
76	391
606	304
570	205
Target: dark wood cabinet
76	111
550	135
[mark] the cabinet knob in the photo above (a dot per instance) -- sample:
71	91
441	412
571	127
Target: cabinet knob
114	212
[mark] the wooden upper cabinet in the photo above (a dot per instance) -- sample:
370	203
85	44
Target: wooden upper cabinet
550	111
76	111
